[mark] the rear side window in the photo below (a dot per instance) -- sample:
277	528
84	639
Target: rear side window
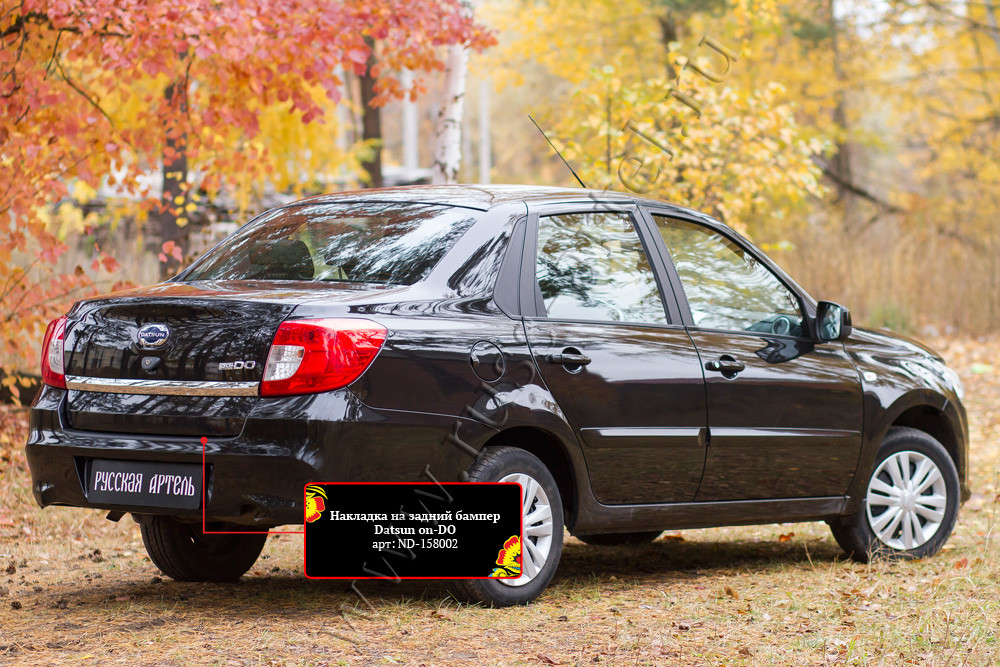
370	242
591	266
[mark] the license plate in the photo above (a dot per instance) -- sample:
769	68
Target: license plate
144	484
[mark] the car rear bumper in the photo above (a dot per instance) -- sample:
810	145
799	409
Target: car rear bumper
257	477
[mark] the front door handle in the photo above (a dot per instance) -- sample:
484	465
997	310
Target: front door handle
726	365
569	359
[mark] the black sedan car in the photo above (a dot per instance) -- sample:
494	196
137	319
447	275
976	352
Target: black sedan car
635	365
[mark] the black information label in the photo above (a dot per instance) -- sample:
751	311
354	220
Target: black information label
144	484
413	531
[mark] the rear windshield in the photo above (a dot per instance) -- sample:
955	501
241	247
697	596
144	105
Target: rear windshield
368	242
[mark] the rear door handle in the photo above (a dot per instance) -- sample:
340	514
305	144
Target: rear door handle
569	359
726	365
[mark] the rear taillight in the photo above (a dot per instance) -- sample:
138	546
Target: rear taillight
53	371
309	356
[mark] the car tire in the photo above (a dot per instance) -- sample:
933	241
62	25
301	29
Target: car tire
915	478
544	531
616	539
184	553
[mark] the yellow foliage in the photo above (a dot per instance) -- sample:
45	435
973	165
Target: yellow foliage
743	156
83	192
571	38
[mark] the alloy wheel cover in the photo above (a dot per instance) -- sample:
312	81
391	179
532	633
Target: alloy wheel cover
907	499
536	545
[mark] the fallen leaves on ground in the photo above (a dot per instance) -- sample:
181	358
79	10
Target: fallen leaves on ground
78	586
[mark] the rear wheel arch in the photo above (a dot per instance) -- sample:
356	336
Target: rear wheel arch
553	453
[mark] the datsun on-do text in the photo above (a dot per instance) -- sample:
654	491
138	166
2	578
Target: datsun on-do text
636	365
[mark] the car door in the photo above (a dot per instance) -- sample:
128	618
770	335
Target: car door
624	372
784	412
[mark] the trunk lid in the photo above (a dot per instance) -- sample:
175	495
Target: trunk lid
185	338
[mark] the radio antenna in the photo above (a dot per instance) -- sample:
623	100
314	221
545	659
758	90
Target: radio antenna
557	152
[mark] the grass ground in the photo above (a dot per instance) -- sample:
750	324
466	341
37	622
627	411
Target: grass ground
77	588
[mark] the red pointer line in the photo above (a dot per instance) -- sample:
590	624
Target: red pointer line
204	441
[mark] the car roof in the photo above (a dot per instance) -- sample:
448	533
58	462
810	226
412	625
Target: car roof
480	197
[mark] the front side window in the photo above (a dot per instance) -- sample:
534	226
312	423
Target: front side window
726	287
591	266
368	242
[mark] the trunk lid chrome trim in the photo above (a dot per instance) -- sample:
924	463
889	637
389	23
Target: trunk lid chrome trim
162	387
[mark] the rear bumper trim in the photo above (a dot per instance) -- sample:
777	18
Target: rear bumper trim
160	387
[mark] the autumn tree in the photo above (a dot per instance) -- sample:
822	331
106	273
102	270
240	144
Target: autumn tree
857	140
448	124
644	112
906	93
99	92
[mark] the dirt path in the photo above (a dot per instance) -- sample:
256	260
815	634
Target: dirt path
77	588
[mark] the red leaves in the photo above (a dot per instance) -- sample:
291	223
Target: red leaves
203	51
170	249
359	56
109	263
82	99
49	247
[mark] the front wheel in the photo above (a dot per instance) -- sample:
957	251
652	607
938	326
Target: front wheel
542	513
911	501
184	553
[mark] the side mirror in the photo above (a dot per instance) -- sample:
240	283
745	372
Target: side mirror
833	322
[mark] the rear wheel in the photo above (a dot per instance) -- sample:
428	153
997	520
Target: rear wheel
615	539
542	514
911	501
184	553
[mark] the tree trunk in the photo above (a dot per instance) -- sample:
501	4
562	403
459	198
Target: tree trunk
175	171
485	134
411	128
669	32
841	162
371	122
991	18
448	129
